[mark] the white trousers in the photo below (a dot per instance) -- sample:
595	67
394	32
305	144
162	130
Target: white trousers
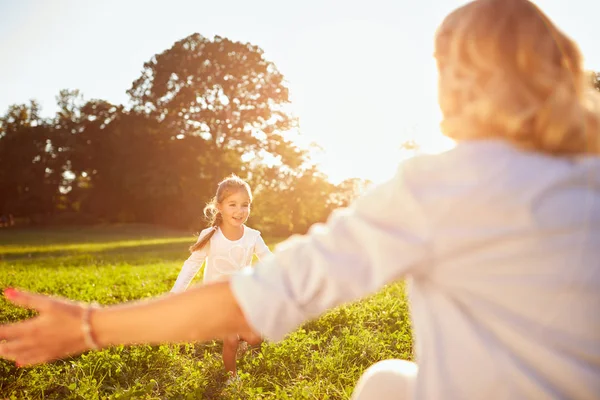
387	380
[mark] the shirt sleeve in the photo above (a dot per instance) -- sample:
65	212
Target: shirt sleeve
260	248
190	268
380	238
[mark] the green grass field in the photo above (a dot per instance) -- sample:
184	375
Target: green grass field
321	360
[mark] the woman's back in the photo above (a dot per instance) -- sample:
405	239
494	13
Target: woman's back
510	296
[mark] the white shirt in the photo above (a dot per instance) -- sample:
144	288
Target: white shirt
223	257
502	251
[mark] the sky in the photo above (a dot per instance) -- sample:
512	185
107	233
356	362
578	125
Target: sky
361	73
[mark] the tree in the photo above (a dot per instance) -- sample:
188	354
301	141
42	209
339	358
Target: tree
222	91
210	107
200	111
30	163
348	190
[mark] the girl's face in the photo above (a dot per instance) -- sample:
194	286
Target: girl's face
235	208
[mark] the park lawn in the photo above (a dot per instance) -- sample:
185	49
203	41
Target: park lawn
323	359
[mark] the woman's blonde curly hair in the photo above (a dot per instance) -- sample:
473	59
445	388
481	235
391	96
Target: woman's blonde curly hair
506	71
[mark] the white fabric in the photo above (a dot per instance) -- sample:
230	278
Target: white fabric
387	380
223	257
501	248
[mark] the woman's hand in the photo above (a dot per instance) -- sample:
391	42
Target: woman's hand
55	333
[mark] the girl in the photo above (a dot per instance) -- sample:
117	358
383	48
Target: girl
227	246
499	237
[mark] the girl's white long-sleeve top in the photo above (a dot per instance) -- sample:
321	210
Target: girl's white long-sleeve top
223	257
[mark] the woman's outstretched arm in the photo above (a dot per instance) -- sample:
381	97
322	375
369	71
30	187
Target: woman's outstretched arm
202	313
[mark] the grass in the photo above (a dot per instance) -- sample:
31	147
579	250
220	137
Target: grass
321	360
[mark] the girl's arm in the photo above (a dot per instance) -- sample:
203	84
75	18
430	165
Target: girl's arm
189	270
58	330
261	249
191	266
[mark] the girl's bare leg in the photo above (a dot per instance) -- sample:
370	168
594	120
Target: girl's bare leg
230	346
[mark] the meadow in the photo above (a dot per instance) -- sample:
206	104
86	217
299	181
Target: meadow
323	359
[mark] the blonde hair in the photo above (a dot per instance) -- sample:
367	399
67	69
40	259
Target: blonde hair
226	188
505	70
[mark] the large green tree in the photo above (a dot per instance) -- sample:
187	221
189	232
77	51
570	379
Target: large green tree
225	92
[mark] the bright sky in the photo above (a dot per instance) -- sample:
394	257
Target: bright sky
361	73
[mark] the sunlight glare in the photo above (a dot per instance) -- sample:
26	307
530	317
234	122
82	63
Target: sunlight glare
359	98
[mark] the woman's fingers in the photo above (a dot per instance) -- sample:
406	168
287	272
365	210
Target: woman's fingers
14	349
9	331
17	330
33	357
27	348
29	300
19	338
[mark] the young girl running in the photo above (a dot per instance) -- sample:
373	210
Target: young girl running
227	246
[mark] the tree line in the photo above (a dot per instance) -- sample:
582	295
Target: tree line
199	111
